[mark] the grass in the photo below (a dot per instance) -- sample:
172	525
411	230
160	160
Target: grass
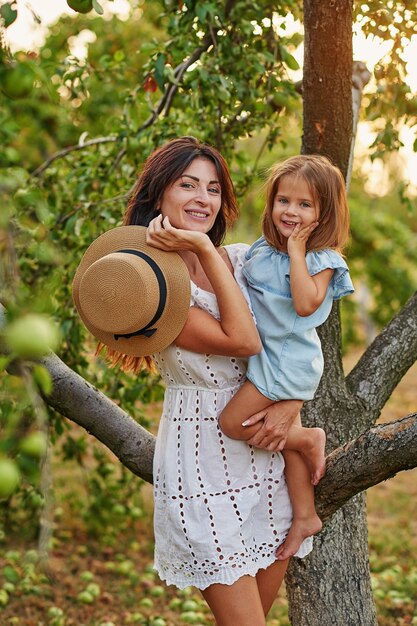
107	580
392	523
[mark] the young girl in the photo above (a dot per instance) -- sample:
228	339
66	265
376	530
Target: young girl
294	272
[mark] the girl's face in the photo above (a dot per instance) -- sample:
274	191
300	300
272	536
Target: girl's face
193	201
294	204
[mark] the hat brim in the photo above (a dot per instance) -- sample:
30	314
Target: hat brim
177	277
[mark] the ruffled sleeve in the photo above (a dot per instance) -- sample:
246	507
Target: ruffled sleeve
341	282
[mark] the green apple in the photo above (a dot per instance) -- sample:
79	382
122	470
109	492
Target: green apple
81	6
33	445
31	336
9	477
17	81
85	597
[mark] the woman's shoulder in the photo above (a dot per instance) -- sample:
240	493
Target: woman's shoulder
236	252
236	247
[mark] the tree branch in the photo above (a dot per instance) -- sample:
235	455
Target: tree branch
68	149
369	459
360	77
385	362
366	461
182	68
164	103
82	403
74	398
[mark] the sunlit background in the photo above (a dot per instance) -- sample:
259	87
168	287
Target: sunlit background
29	29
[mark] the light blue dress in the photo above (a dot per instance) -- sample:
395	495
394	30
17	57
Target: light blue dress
290	364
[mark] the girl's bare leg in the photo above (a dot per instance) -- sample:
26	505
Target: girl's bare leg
237	604
247	401
310	443
305	521
269	582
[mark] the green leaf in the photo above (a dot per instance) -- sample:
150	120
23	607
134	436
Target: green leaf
97	7
42	379
59	429
119	56
10	574
288	59
8	13
159	71
4	361
201	12
222	93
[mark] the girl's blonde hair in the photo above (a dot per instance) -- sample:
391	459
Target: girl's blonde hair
327	185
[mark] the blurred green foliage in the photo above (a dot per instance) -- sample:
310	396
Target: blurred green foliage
80	115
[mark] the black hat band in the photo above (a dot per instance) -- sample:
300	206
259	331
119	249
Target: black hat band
147	330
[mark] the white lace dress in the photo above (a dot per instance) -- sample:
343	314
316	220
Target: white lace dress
221	506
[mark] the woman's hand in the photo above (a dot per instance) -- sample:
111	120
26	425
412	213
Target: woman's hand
161	234
277	419
235	333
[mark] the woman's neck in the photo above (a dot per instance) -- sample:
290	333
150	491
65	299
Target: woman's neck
197	274
191	260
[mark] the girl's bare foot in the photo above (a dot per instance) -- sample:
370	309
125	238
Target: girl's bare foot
300	530
313	453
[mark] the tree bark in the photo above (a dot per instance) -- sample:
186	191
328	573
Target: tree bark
368	460
84	404
332	586
319	595
327	85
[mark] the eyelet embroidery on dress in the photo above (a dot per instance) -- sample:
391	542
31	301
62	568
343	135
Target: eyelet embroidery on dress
182	366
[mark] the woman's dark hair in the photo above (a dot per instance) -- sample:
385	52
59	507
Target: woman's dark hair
166	165
161	169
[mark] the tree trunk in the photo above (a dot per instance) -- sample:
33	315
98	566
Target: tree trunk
332	586
327	80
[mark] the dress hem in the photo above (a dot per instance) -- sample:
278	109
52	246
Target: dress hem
229	577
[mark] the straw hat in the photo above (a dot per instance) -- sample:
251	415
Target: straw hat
132	297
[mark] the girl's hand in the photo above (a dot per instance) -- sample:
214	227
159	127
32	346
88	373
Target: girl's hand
297	241
161	234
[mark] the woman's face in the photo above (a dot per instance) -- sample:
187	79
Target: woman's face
193	201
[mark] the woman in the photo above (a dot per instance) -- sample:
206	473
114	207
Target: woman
221	506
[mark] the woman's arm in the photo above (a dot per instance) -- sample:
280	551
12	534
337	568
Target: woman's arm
235	333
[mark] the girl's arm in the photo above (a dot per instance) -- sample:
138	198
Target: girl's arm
307	291
235	333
